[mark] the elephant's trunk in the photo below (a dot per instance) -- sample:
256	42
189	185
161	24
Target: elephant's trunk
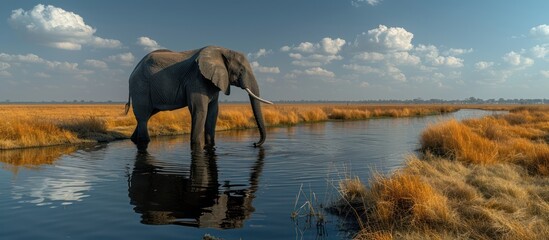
256	108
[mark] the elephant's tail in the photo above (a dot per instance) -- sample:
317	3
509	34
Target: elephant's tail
128	105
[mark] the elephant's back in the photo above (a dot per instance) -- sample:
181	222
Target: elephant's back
162	59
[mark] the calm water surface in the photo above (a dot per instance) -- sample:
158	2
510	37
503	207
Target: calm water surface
108	191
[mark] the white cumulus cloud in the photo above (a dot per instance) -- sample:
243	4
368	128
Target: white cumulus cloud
3	69
432	55
327	46
58	28
260	53
540	31
148	44
332	46
516	59
308	54
306	47
63	66
318	71
314	59
540	51
124	59
386	39
358	3
295	55
362	69
394	57
395	73
35	60
370	56
262	69
388	71
483	65
403	58
27	58
453	62
4	66
458	51
512	58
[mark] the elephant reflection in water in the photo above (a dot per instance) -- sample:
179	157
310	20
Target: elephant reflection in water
163	197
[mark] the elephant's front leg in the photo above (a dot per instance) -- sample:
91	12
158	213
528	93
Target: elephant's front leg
197	128
198	107
211	121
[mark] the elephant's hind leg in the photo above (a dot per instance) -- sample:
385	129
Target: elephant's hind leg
140	135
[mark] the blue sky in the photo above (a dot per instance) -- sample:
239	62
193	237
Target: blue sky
311	50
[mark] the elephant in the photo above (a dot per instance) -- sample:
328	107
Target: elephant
192	198
165	80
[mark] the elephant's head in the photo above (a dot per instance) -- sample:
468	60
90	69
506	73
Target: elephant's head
225	67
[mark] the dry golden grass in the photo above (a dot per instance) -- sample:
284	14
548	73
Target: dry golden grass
518	137
433	198
454	140
26	133
352	188
409	200
43	125
483	178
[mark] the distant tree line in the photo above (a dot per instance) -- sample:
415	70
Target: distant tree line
63	101
470	100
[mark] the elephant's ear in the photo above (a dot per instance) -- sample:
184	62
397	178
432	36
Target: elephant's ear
212	66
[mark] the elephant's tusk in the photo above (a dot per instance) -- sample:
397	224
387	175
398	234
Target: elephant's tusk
256	97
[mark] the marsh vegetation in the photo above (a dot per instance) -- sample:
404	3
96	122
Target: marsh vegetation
44	125
473	179
479	178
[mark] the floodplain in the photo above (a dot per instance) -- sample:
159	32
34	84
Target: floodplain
398	171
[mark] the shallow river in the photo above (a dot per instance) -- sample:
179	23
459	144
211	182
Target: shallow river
108	191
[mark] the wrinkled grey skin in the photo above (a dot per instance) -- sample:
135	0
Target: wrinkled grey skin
165	80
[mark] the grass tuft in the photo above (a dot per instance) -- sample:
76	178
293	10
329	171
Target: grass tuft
403	200
455	140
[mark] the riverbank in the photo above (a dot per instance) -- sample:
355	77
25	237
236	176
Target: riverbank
475	179
36	125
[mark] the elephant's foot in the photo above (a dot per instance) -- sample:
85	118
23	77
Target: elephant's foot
209	148
140	137
201	147
142	147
